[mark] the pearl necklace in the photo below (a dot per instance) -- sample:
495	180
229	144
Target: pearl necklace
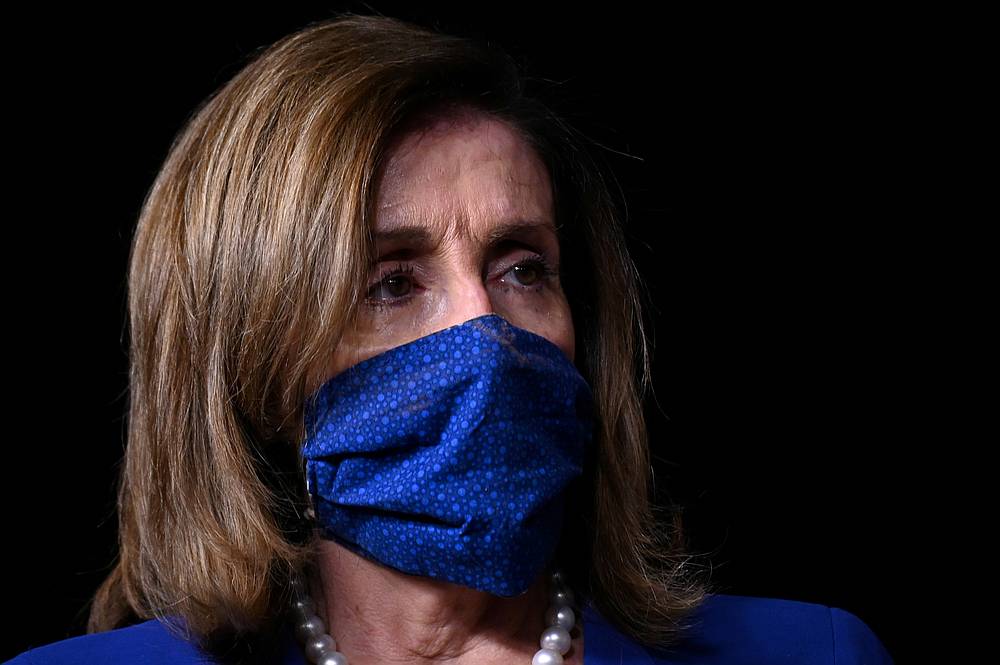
321	649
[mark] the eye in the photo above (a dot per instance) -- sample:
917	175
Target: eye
531	271
398	282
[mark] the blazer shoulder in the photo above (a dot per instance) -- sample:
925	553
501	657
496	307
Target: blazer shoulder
147	642
729	629
854	642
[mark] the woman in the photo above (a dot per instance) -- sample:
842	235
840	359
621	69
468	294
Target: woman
383	405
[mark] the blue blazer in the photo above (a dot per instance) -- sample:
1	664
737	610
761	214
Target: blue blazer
728	630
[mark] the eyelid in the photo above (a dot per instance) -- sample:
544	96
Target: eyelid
537	255
399	268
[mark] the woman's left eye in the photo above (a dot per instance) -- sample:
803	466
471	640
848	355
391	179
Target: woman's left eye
531	274
537	269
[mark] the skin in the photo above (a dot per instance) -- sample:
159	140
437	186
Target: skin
467	175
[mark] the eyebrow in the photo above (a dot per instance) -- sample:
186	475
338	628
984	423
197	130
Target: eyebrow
419	239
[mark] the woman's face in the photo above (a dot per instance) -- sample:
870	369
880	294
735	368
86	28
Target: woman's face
464	227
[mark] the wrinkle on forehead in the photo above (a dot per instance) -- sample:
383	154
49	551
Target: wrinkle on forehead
446	189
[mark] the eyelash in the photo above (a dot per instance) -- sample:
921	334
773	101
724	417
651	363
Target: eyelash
537	260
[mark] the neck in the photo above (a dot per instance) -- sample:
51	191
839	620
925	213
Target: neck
377	615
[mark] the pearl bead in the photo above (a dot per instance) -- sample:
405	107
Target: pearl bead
304	607
561	616
547	657
562	596
319	645
556	638
332	658
310	628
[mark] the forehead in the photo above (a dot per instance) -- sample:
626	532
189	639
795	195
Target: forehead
467	173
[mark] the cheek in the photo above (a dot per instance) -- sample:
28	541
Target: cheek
570	346
358	343
568	337
552	320
561	318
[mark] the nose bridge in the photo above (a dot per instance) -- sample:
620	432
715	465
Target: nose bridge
468	290
466	284
463	273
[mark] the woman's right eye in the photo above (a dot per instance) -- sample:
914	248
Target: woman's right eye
399	278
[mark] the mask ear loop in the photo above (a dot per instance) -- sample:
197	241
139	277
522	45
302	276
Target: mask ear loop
310	511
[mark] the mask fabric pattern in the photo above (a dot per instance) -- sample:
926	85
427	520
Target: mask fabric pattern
449	456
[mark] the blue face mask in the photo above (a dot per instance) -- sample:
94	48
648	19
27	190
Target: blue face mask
449	456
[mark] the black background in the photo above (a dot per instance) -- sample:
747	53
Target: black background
773	164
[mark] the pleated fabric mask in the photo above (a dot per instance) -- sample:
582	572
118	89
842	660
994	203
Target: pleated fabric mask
449	456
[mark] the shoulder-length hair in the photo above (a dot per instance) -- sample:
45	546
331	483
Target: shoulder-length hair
250	255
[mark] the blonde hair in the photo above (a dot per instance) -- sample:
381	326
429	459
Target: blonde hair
250	255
